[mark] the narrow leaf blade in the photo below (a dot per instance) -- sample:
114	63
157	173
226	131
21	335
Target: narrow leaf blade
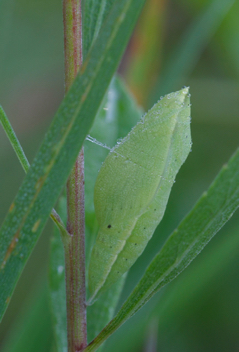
13	140
94	13
210	213
50	169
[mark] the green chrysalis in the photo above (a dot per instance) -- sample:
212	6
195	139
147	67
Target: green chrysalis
133	187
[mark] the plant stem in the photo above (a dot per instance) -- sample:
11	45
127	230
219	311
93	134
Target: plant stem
75	248
75	260
72	40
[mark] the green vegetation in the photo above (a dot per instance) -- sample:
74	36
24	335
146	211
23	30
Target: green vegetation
175	44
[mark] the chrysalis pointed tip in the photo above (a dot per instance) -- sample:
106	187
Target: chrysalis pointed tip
185	90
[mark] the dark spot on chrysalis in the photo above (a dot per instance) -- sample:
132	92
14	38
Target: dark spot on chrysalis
135	244
144	228
109	226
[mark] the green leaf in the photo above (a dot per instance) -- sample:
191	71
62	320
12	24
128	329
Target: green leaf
25	165
187	53
13	140
52	165
94	13
171	308
211	212
129	113
133	187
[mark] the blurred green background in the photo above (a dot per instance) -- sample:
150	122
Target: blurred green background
176	43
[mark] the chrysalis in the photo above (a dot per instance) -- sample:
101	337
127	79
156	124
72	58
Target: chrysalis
133	186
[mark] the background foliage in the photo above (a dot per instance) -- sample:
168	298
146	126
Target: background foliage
199	310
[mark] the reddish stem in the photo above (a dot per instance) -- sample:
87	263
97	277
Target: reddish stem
75	260
75	248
